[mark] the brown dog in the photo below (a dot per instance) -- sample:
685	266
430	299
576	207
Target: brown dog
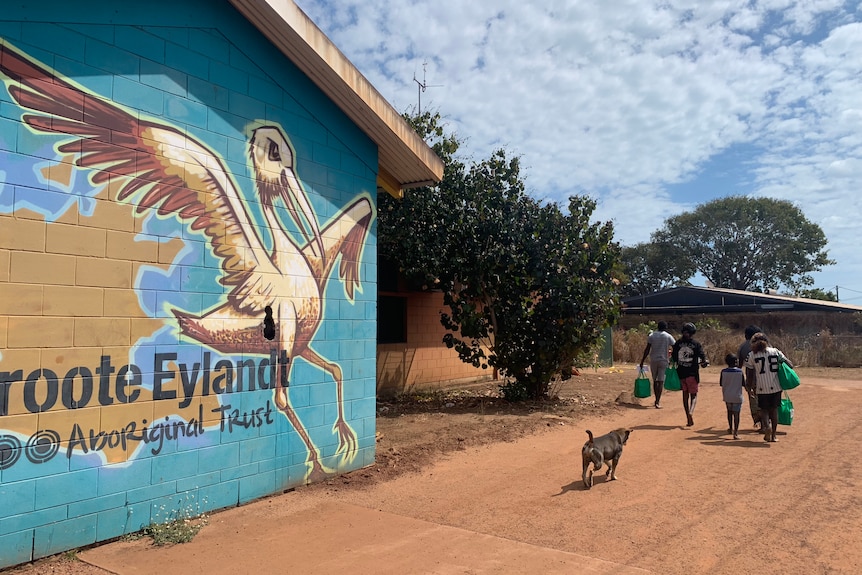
605	449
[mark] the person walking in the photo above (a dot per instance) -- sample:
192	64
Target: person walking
689	356
764	361
732	382
658	347
757	416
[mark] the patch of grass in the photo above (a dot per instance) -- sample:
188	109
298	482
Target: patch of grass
178	526
179	530
71	555
133	536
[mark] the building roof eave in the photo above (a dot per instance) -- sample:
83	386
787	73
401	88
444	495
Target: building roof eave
403	156
686	299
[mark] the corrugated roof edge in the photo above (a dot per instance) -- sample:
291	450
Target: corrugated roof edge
837	306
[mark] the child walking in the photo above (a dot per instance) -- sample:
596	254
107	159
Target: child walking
689	357
764	360
731	381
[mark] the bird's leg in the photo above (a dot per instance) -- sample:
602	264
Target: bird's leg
287	338
316	472
287	329
347	441
282	382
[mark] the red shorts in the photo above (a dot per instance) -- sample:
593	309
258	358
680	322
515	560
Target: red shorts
689	384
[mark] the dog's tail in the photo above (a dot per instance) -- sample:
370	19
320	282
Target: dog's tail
590	433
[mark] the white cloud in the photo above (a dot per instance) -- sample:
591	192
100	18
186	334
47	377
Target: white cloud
630	101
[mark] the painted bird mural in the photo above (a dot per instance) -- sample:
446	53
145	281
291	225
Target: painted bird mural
275	295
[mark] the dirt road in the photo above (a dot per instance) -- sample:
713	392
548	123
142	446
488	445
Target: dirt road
690	500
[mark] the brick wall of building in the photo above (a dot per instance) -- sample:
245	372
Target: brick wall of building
423	362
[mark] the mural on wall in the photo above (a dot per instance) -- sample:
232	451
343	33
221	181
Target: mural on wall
274	277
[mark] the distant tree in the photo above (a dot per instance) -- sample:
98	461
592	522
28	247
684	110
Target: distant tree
746	243
528	288
650	267
817	293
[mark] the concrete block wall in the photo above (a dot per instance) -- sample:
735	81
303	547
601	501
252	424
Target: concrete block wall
113	415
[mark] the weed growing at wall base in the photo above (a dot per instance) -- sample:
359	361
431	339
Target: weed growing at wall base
176	530
180	526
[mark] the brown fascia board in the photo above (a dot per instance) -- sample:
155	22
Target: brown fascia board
404	158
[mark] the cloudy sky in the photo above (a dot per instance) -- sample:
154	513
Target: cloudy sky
650	107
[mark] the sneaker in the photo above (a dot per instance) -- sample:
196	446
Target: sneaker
657	405
736	436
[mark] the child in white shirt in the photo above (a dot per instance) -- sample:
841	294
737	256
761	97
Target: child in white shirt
731	382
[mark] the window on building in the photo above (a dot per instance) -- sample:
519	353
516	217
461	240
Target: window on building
391	319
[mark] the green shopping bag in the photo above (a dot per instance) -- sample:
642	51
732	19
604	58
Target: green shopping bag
671	379
785	410
787	378
642	384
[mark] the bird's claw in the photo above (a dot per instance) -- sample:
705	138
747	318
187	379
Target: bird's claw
348	445
317	473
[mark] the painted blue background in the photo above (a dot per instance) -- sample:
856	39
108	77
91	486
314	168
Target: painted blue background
196	64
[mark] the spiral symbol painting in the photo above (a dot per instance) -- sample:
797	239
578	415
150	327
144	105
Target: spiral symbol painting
10	451
43	446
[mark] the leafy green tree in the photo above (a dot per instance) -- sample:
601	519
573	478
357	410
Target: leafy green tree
528	287
817	293
746	243
651	267
414	232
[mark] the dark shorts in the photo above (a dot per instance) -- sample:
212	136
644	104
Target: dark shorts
689	384
769	400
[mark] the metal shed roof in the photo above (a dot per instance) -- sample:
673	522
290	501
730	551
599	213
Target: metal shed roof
405	160
689	299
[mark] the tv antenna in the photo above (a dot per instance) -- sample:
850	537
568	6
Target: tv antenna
421	86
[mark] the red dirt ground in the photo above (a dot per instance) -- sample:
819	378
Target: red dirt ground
689	500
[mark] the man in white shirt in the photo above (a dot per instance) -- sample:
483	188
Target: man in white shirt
658	347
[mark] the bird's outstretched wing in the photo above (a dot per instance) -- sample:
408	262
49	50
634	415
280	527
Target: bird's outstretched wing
157	165
345	235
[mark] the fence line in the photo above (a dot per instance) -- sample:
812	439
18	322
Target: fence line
812	350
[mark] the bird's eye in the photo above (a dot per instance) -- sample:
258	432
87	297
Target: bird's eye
274	154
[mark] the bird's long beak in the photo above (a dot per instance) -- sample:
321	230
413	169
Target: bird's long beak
301	212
